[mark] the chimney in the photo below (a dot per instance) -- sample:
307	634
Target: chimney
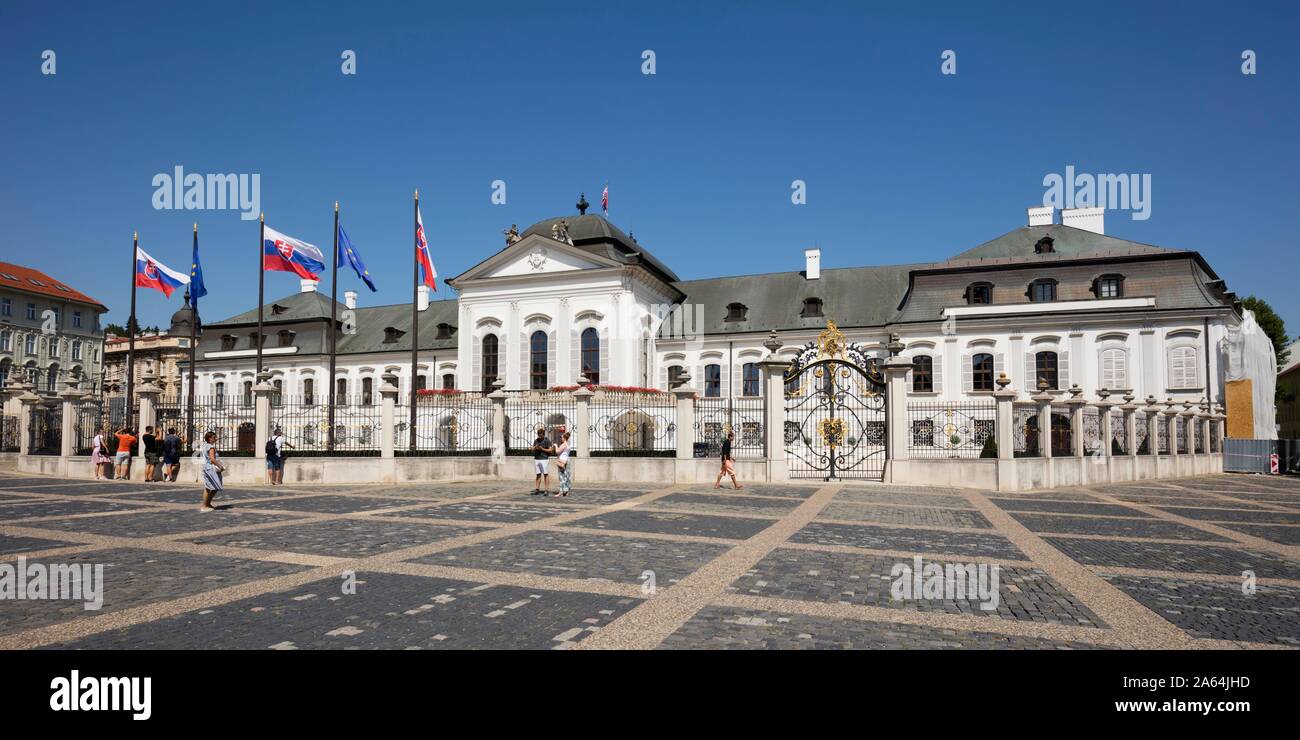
350	298
422	301
812	263
1041	215
1088	219
309	286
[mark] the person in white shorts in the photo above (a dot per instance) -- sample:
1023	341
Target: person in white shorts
542	449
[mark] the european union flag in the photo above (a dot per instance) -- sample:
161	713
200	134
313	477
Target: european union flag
348	256
197	289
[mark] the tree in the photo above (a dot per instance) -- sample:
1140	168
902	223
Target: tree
1272	325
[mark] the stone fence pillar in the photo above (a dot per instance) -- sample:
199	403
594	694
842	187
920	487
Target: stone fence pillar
774	371
896	369
1171	418
148	393
261	414
498	398
1154	419
29	402
1044	401
388	391
582	422
1105	410
1075	404
71	398
1004	428
1130	424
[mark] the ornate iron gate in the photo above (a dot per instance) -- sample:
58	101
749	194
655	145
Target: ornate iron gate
835	417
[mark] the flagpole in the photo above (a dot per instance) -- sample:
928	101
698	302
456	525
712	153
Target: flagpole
261	280
130	333
194	323
334	312
415	312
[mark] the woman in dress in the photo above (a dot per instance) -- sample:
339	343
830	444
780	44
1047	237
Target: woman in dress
99	456
728	463
212	469
566	467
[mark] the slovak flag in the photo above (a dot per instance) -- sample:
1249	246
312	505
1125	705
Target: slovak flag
604	199
150	273
422	254
280	252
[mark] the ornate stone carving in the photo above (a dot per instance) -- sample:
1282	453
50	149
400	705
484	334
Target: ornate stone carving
512	234
537	258
560	231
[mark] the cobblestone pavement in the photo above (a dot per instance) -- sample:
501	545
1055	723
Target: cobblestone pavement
1210	562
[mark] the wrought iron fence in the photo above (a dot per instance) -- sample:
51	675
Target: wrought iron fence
1062	434
1025	434
1216	436
1092	431
306	426
745	416
446	424
45	430
1183	434
964	429
1198	436
90	422
9	433
632	424
1142	432
528	411
1118	434
1162	434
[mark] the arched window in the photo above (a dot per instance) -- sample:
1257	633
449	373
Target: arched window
712	381
341	390
247	399
489	361
1109	286
1042	291
51	378
367	391
591	355
309	391
449	381
1114	368
750	385
923	374
6	341
674	375
812	308
537	361
981	372
979	294
1045	370
219	391
1183	368
421	382
736	311
277	398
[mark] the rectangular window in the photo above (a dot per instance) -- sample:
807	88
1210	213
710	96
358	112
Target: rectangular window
751	382
31	311
982	372
712	381
6	307
923	374
1042	292
981	295
76	319
1108	288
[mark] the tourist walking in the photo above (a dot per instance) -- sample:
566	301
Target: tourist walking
126	440
212	470
275	457
171	455
564	466
100	459
152	454
542	449
728	464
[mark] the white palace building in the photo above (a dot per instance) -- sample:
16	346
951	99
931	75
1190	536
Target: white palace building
1068	342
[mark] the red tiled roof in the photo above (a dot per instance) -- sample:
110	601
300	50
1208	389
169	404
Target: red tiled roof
29	280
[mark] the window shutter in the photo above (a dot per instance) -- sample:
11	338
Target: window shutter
737	379
550	359
911	378
575	354
937	373
476	364
999	366
604	359
1031	373
525	360
967	378
1063	369
724	374
1121	368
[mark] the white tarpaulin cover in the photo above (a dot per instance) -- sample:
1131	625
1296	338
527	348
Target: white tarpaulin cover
1248	355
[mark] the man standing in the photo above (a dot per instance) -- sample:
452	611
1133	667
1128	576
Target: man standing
151	454
275	457
171	455
122	461
542	449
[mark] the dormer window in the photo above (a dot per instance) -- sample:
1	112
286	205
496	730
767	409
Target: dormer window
252	341
392	334
1042	291
1109	286
445	331
277	309
979	294
736	311
812	308
228	342
1044	246
286	338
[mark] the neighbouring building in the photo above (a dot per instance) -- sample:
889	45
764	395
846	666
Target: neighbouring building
1288	395
160	355
49	332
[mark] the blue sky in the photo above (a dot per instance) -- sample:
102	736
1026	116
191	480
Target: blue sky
902	164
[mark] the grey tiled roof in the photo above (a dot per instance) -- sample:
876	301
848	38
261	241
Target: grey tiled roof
1067	242
597	235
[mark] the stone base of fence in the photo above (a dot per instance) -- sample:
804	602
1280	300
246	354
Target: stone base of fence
1030	473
